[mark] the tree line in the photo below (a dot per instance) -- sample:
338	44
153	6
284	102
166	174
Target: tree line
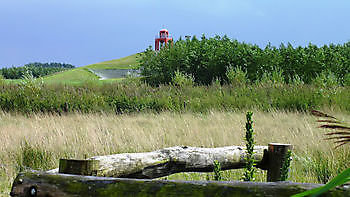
36	69
209	59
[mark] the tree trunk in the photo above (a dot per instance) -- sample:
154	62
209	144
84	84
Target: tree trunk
162	162
40	184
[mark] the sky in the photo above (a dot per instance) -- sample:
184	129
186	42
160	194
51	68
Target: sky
82	32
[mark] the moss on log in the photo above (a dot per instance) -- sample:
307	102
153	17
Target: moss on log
34	183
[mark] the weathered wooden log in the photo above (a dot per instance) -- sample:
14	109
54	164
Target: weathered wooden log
41	184
164	162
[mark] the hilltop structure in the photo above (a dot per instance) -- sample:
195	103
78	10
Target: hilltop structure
163	39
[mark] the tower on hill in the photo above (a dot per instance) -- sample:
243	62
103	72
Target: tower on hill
163	39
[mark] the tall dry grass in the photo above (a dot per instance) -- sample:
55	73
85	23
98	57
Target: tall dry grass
40	140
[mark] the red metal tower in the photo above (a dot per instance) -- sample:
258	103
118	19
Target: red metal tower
162	39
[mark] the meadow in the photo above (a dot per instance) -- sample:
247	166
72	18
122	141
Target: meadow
193	94
38	141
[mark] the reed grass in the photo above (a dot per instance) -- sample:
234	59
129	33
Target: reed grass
39	140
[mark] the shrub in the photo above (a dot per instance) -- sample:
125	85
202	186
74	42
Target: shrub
236	76
346	79
180	79
272	78
326	79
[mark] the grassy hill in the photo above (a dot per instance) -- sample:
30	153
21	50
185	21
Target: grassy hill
122	63
82	74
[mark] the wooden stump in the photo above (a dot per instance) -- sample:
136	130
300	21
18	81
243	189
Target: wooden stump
276	157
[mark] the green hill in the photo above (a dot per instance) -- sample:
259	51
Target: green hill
83	74
122	63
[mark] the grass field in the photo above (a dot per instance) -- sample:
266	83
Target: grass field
74	76
82	74
38	141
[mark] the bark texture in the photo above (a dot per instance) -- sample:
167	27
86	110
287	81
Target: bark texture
41	184
169	161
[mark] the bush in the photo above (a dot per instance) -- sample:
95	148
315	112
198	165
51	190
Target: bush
236	76
326	79
180	79
272	78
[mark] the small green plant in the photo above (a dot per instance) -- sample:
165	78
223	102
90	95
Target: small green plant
217	171
249	137
181	79
30	83
286	166
236	76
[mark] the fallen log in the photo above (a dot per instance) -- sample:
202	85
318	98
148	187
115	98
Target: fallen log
42	184
162	162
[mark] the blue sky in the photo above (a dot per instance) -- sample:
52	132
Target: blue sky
82	32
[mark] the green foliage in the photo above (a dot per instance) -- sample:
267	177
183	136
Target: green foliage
346	80
2	80
286	166
341	179
249	138
180	79
271	78
133	95
30	83
296	80
320	167
326	79
208	59
37	70
341	138
217	171
33	157
236	76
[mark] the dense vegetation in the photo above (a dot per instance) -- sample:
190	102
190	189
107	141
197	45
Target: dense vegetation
129	96
37	70
199	76
209	59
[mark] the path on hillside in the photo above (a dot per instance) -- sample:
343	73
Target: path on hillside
114	73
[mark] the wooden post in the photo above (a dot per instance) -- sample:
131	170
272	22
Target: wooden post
276	156
78	167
